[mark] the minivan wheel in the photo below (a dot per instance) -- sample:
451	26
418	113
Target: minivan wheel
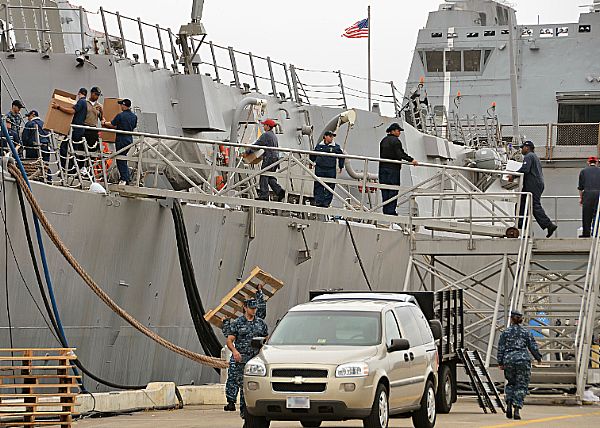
380	412
311	424
426	415
443	398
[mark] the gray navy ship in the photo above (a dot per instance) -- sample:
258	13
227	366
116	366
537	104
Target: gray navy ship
199	105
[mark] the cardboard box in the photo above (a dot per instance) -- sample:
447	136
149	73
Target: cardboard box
56	120
254	157
111	109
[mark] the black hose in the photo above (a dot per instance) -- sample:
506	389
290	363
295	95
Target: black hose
61	338
209	341
364	272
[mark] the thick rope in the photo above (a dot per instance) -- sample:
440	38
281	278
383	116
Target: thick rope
54	237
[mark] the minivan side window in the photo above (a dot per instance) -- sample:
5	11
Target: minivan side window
391	328
422	323
408	325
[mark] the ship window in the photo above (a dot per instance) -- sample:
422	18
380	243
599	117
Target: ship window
470	35
435	61
585	28
486	55
436	35
504	32
453	61
452	35
546	32
502	15
472	60
562	31
578	113
489	33
421	56
526	32
482	19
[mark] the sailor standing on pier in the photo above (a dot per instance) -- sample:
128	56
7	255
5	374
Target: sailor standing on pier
513	357
240	333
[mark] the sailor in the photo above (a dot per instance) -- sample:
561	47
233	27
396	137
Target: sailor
240	334
268	139
325	166
389	173
533	182
124	121
16	121
34	126
514	346
94	112
589	191
79	112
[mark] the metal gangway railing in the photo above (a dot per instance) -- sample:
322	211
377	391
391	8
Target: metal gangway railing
588	314
208	179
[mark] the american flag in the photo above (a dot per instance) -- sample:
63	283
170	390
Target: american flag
359	30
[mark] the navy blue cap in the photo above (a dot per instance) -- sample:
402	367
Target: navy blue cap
251	303
393	127
33	113
125	102
516	314
528	144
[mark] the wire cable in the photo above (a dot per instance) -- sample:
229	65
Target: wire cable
360	262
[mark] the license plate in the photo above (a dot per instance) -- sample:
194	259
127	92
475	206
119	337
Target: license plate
297	403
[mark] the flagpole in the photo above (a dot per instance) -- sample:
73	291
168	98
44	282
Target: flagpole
369	53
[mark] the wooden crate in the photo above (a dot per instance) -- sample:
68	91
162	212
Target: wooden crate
231	305
37	387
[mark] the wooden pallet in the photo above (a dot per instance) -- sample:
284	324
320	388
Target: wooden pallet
37	387
231	305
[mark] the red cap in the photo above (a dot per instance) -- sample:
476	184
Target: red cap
269	122
592	159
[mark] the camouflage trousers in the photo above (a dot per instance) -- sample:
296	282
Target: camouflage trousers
517	377
235	383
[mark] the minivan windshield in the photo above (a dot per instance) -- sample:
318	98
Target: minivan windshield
328	328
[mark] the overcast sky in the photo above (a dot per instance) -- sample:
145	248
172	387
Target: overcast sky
307	33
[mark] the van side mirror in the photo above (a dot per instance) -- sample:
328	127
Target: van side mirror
258	342
436	329
399	345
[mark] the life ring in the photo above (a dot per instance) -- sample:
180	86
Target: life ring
98	164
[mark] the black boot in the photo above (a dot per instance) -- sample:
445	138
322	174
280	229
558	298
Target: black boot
509	410
230	407
517	415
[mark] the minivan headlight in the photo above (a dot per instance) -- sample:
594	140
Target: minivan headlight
352	370
255	368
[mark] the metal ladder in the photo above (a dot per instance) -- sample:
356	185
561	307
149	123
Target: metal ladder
481	382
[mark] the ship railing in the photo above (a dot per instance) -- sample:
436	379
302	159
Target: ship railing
147	43
563	210
209	180
556	141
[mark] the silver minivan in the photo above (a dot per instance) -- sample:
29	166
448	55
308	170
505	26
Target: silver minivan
346	356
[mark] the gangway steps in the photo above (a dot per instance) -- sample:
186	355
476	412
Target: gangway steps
481	382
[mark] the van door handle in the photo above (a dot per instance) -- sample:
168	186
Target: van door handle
412	356
406	357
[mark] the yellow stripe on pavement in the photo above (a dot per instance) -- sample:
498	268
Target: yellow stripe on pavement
539	421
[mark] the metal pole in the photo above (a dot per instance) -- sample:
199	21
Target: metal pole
273	85
236	76
42	36
81	28
142	40
214	58
287	79
121	33
162	48
253	71
396	109
342	89
107	38
369	52
488	354
295	83
514	96
174	51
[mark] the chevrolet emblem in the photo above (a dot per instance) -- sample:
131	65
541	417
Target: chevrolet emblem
298	380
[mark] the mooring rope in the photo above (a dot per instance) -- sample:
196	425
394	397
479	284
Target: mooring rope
55	238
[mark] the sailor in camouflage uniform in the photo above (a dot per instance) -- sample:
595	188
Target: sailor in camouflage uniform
240	333
514	347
